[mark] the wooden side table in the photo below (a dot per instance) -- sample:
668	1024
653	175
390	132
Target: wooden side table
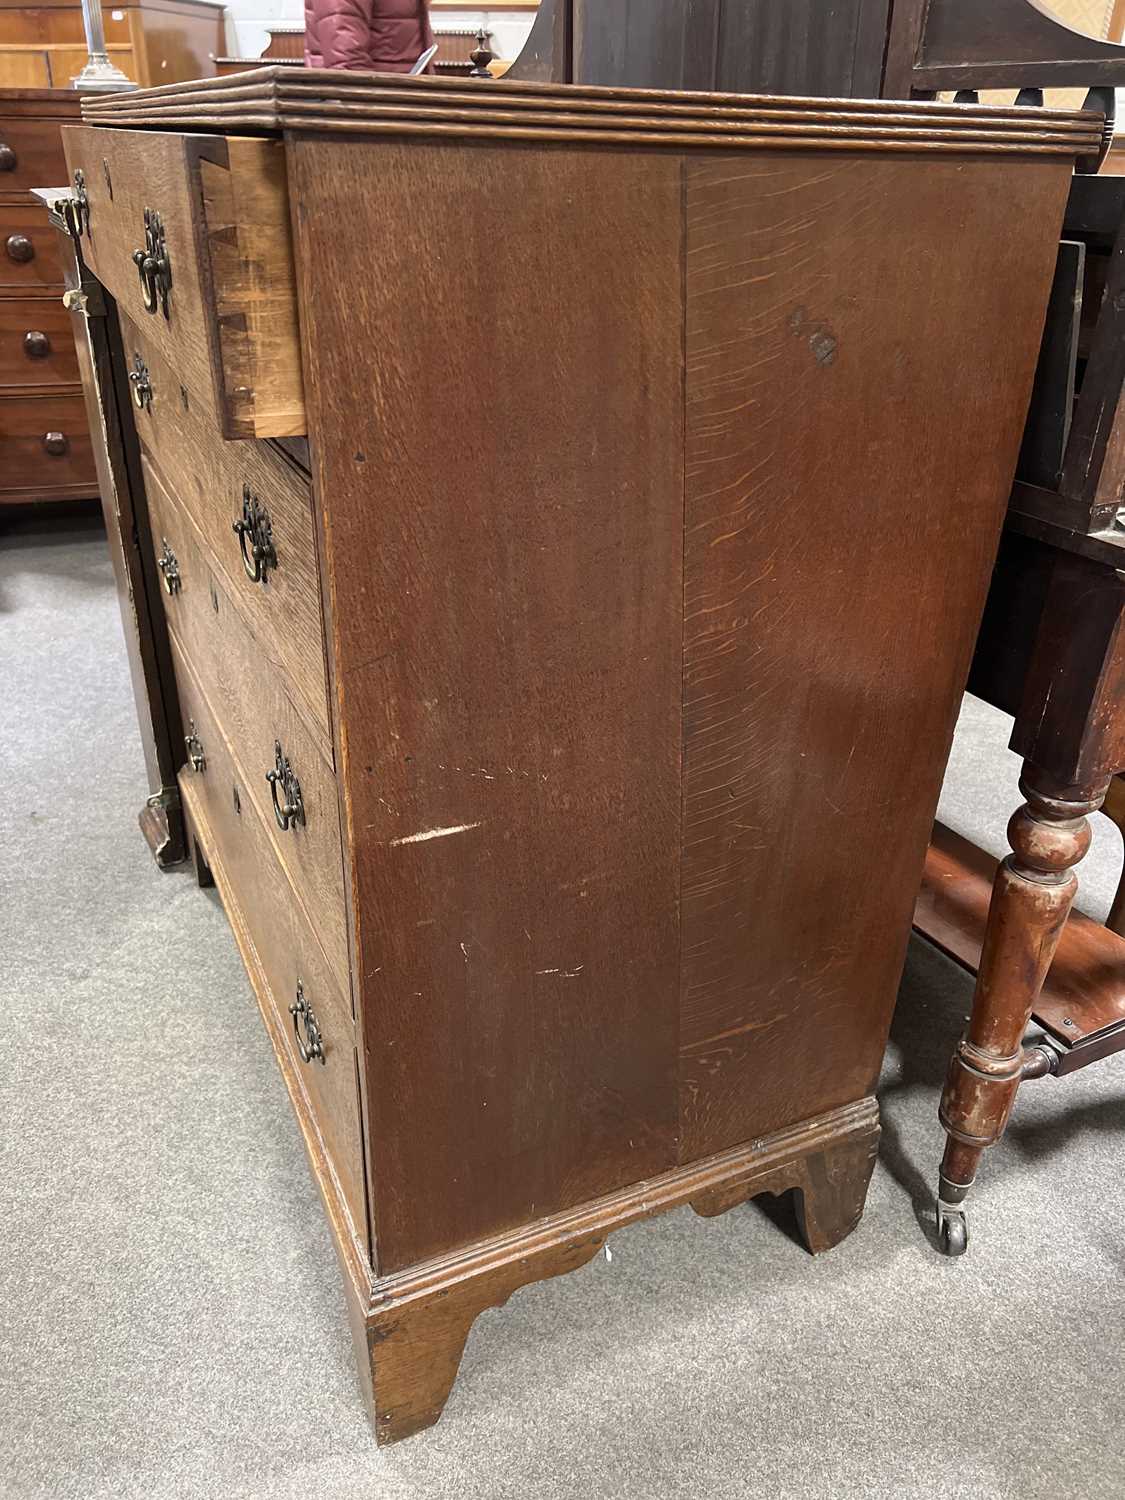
1051	652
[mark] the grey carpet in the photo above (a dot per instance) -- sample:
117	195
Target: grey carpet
172	1320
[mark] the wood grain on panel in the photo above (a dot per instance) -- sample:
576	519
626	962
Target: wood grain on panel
828	47
502	535
230	329
207	476
235	841
36	344
857	379
30	132
46	445
29	259
255	712
246	211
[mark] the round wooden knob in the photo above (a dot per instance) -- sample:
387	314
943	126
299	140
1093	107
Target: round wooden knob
36	345
55	443
9	161
19	247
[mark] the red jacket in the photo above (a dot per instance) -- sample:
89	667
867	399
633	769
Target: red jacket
385	36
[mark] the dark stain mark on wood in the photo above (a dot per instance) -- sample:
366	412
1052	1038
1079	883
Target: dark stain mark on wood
821	340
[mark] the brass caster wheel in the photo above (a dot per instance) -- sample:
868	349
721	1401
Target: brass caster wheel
952	1229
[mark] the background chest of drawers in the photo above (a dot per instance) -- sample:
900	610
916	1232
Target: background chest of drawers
43	45
568	789
43	433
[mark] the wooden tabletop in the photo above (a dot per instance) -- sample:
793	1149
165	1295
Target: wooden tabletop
317	99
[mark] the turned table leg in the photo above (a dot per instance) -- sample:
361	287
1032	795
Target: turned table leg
1114	809
1031	898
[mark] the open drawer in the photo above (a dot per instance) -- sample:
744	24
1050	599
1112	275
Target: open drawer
190	233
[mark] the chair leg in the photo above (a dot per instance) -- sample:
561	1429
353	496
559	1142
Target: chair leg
1031	898
1114	809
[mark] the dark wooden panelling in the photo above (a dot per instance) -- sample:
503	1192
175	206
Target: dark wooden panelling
1052	397
507	650
832	48
1011	620
847	345
1071	721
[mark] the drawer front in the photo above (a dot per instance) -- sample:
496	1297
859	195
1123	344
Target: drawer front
208	479
225	317
28	258
45	443
55	27
31	155
246	692
287	951
36	343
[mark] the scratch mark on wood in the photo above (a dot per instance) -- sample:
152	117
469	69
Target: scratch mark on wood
434	833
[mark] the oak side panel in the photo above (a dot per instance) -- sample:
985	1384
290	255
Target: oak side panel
861	338
499	467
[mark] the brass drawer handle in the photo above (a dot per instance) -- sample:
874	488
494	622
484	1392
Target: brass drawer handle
55	443
194	746
78	219
169	567
19	248
293	810
142	385
36	345
9	161
256	527
153	265
312	1044
75	210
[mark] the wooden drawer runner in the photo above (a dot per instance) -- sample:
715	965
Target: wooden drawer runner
34	156
255	715
228	325
36	344
45	442
287	951
29	260
207	477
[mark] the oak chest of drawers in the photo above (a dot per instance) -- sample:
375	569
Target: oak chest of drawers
564	739
44	439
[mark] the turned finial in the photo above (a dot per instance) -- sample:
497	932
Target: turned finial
481	56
